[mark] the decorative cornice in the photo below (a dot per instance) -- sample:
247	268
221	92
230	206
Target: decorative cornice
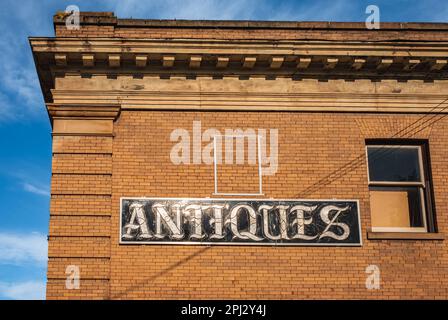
258	101
239	47
82	111
218	58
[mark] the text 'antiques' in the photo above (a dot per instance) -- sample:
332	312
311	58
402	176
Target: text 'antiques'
229	221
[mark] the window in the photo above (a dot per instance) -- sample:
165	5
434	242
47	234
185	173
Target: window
399	187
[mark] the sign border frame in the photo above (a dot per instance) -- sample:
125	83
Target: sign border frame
272	244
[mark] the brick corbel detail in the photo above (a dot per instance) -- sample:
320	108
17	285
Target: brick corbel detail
80	119
90	111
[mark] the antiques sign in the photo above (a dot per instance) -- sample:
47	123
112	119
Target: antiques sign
239	221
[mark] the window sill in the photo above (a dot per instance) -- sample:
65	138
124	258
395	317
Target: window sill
404	236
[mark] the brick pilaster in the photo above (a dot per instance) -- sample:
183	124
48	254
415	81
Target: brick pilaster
80	213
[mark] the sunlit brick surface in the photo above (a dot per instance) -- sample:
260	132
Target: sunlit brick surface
321	155
311	146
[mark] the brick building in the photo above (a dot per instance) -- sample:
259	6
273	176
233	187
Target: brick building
349	113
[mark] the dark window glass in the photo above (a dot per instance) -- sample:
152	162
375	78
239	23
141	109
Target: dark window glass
393	164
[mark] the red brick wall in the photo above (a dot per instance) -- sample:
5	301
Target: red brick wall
246	34
84	229
310	146
80	211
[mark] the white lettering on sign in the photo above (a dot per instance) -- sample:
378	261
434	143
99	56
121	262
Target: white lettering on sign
218	221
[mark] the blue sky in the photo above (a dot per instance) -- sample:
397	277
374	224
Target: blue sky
25	133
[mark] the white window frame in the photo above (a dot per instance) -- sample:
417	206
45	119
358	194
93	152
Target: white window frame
420	184
215	166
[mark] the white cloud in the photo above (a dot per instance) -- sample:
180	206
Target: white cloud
42	191
28	290
430	11
18	78
22	248
188	9
334	10
242	10
6	108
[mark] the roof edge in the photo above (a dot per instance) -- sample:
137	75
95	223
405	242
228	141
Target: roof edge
109	18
